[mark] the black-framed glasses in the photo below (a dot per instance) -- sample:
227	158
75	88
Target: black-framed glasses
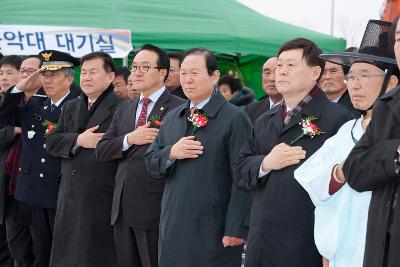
142	68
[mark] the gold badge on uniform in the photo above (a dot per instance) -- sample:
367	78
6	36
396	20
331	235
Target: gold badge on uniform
47	56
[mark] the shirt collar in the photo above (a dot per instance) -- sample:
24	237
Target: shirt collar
272	104
201	104
154	96
60	101
336	99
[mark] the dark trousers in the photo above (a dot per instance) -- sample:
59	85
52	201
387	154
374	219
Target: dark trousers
42	234
135	247
5	257
18	221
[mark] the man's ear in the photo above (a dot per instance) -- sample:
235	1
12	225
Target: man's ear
316	73
70	79
215	76
163	73
392	83
111	76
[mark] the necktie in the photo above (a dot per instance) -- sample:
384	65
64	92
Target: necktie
90	104
53	107
143	114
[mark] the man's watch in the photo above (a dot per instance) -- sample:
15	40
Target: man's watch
397	161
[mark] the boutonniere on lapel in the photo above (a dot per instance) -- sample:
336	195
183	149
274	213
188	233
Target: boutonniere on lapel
156	122
50	126
198	119
308	129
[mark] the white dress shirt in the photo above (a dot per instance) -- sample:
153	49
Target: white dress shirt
153	97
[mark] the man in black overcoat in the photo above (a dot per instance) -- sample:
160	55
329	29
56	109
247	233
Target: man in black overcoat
282	216
83	236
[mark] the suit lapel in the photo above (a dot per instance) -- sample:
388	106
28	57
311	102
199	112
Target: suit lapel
276	119
160	107
130	115
313	108
80	114
295	120
102	111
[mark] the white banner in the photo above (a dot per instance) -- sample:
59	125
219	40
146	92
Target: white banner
30	40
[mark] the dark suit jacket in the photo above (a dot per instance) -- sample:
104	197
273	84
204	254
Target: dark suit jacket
37	181
370	167
82	234
139	192
254	110
282	217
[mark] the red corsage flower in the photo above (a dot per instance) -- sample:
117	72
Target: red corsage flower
50	126
198	119
156	122
308	129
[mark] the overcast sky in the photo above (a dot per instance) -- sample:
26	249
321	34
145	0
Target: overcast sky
350	16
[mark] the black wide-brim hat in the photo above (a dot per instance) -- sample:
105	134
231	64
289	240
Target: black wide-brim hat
53	60
376	48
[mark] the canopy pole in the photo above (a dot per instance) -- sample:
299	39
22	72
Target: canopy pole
332	16
125	61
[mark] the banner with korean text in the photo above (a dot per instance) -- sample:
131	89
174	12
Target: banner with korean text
29	40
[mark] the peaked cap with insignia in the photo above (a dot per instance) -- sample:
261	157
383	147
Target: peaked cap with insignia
53	60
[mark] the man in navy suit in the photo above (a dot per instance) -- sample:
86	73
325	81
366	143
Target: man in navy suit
37	180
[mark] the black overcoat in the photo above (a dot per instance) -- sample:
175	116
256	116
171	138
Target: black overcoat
255	110
282	216
370	167
83	236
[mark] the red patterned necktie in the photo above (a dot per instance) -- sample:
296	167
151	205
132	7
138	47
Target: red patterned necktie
90	104
143	113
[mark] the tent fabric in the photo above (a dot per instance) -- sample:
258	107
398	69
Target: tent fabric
223	26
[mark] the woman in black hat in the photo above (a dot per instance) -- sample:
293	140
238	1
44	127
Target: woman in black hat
341	213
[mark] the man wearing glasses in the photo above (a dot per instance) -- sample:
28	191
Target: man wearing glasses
137	197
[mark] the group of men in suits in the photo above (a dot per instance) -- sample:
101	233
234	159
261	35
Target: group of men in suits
162	181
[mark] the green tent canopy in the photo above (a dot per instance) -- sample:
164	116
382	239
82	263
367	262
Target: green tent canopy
240	35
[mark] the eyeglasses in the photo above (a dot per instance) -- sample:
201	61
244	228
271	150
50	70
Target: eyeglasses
362	77
143	68
28	71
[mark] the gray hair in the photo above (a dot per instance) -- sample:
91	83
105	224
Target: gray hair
68	72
